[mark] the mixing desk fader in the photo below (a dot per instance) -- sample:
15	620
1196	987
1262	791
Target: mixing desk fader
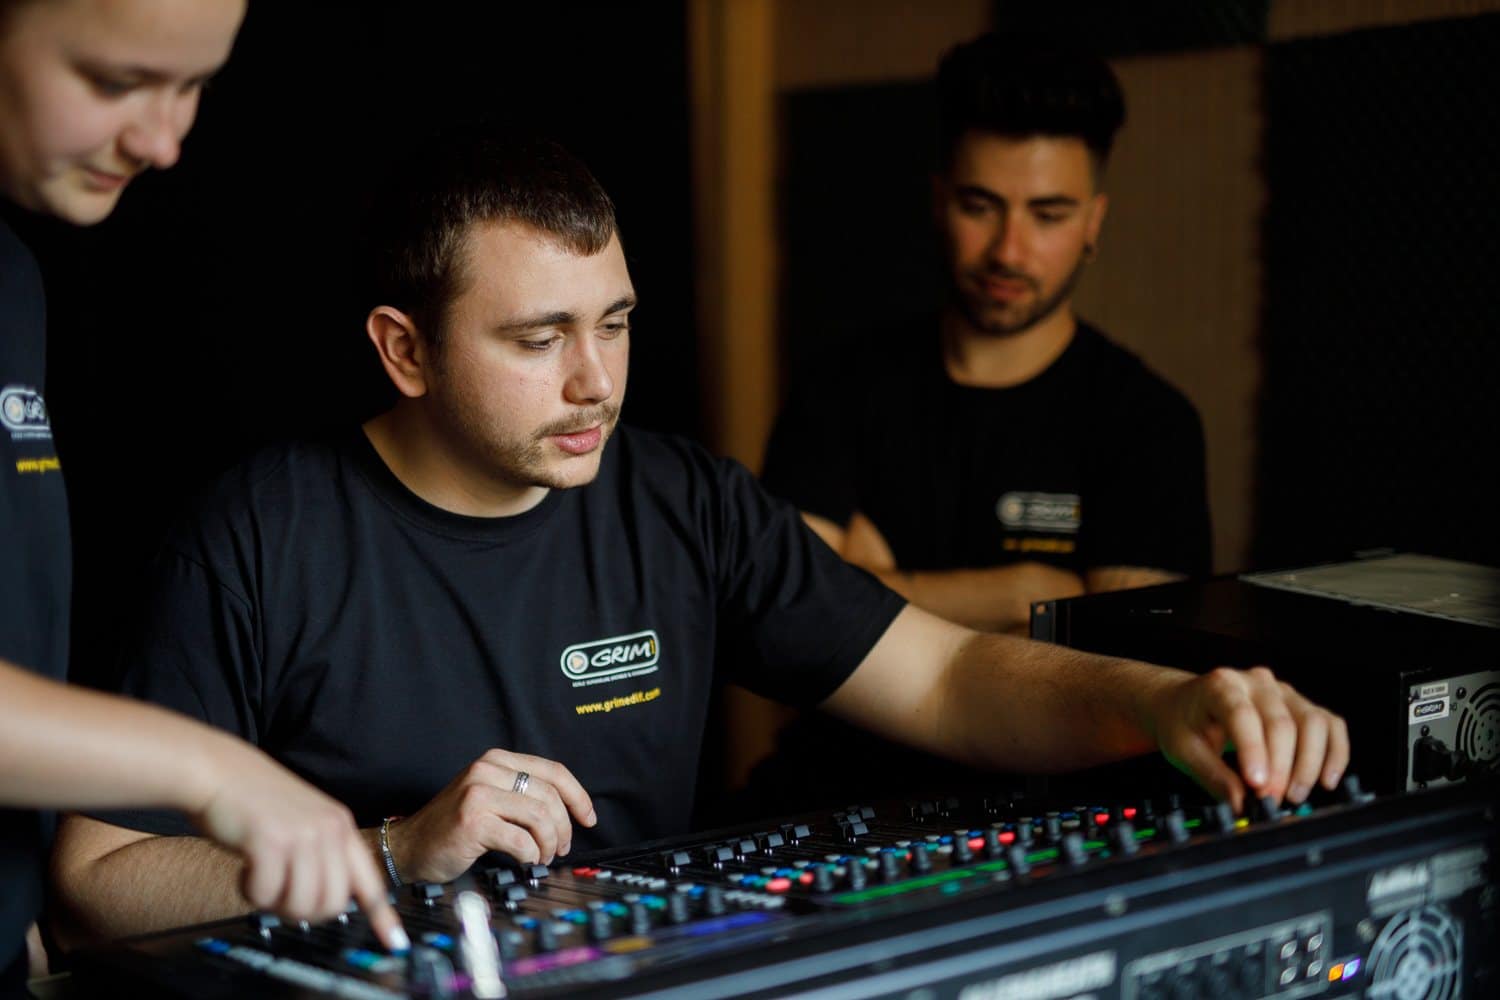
993	898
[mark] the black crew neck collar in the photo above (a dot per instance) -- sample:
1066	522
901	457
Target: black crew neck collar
1076	346
406	504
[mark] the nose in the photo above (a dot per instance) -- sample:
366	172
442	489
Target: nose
154	137
589	381
1008	246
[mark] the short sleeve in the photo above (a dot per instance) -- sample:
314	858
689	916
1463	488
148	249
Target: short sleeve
1149	508
797	619
194	653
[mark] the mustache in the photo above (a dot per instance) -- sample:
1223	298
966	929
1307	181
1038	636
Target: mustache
605	413
1004	273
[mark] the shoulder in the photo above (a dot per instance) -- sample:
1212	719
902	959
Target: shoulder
274	484
666	461
1122	376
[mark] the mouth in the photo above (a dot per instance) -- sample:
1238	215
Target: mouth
104	180
1004	290
579	442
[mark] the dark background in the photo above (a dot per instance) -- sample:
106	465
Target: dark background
1379	414
219	308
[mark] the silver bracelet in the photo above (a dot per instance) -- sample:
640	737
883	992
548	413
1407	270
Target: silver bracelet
385	851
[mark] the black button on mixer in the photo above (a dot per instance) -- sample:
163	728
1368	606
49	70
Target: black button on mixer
992	847
718	854
640	918
822	879
770	841
1015	858
1122	837
499	878
713	901
1220	818
921	861
1176	826
858	875
674	860
677	908
426	892
601	927
1072	849
890	867
962	853
546	936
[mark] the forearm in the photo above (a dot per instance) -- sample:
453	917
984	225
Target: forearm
1020	705
995	599
69	747
148	885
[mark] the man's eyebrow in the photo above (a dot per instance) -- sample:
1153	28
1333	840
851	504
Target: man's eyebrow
561	317
618	305
1045	201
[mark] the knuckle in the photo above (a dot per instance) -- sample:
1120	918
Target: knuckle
1262	674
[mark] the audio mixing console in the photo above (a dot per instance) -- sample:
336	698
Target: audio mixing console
1389	899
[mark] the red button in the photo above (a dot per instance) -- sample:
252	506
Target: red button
1130	812
805	878
778	885
1007	837
1101	818
976	843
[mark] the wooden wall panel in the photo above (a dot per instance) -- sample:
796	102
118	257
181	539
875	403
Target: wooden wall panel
1178	275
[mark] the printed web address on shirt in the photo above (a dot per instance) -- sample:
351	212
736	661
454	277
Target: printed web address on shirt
623	701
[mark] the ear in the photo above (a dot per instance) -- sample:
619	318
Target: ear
1098	207
403	351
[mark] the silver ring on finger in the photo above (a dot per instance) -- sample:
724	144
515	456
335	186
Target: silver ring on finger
522	780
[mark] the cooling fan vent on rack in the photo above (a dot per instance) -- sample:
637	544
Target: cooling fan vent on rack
1479	727
1418	956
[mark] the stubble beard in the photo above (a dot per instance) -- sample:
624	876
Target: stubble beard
984	317
532	461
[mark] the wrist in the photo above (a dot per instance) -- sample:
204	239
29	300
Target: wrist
385	852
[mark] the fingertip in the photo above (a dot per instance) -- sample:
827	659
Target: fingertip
397	942
593	818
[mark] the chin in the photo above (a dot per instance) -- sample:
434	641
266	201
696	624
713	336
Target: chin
83	209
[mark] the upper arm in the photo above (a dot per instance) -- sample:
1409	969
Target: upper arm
900	687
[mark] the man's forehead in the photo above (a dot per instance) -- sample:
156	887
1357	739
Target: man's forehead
1041	160
530	270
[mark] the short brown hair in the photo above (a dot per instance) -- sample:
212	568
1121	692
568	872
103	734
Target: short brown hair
460	178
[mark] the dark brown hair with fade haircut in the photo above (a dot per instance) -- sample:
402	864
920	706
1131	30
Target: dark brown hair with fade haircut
457	179
1021	86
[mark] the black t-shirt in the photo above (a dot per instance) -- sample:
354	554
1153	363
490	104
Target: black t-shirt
377	645
1095	462
34	586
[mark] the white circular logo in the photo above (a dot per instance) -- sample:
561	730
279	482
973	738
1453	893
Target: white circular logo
15	409
577	663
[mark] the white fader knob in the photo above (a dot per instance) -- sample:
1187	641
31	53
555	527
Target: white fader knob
478	950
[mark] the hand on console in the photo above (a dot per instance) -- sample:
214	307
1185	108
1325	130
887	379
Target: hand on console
483	810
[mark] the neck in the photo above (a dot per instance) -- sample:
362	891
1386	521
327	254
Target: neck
990	361
427	463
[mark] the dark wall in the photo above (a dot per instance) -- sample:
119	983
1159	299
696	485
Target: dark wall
1380	420
218	309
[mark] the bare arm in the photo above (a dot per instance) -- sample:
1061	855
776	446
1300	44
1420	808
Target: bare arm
1004	702
63	747
992	599
112	881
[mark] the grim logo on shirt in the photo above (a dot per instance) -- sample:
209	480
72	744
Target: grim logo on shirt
24	414
615	658
1059	512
